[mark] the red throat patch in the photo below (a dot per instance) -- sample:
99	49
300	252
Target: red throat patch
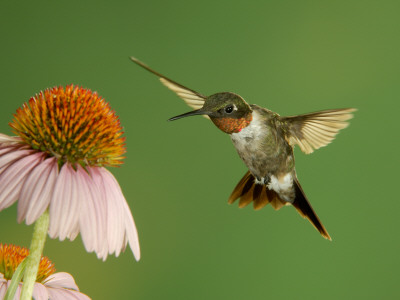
232	125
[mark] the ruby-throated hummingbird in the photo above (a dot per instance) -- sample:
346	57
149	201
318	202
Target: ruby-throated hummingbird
265	141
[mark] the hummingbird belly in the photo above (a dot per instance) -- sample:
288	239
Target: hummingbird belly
268	157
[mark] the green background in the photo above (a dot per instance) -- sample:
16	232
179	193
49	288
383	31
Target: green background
289	56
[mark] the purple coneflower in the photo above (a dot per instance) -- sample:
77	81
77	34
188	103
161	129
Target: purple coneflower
48	285
66	136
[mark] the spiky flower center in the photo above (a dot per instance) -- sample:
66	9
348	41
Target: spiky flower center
11	256
73	124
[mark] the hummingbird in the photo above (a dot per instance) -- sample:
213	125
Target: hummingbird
265	141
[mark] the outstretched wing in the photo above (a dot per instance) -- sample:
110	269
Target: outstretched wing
315	130
191	98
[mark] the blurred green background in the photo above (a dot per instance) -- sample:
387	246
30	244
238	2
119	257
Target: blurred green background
289	56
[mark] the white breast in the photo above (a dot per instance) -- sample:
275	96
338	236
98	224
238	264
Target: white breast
253	131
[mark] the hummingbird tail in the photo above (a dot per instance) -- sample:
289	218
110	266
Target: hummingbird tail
249	191
306	211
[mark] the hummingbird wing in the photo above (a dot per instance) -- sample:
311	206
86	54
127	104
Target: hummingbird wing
315	130
192	98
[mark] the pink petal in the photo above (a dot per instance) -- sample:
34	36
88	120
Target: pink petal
40	292
129	232
87	215
3	289
64	205
11	156
74	230
6	150
61	280
12	179
62	294
38	187
5	284
115	213
5	139
93	216
17	294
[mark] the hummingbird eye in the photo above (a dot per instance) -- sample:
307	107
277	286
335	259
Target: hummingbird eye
229	109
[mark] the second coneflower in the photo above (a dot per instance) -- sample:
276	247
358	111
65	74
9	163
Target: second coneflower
65	138
48	284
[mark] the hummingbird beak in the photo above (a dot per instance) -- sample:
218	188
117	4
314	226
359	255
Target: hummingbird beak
190	113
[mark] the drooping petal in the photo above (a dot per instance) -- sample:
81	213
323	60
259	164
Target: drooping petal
37	190
62	294
93	215
64	205
87	215
73	233
40	292
17	294
3	288
12	178
115	214
131	232
9	140
61	280
11	156
4	150
125	231
6	285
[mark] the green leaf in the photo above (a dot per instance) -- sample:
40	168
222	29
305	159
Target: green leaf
15	280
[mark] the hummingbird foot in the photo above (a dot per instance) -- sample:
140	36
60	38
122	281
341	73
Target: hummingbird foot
267	179
263	180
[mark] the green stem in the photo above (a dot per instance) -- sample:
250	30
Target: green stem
35	253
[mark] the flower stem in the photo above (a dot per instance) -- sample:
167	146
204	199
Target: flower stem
35	253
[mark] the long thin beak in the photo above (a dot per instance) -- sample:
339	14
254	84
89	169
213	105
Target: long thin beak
190	113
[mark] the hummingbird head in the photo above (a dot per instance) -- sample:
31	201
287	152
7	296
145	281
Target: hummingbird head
228	111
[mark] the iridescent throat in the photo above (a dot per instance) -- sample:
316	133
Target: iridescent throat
232	125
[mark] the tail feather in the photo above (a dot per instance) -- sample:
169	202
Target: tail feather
276	202
238	191
248	191
247	197
257	192
262	200
306	211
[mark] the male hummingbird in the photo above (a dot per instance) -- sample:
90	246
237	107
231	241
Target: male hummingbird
264	141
